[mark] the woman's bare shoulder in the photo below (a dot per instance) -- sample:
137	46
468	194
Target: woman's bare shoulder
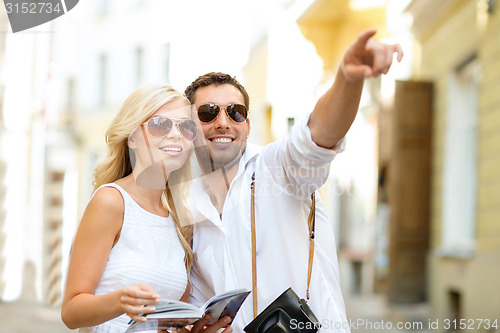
107	200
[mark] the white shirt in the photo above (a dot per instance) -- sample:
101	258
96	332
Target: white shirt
286	172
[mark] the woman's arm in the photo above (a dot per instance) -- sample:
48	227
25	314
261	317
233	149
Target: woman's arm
98	229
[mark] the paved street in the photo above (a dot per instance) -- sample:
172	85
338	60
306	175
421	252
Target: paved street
373	314
24	317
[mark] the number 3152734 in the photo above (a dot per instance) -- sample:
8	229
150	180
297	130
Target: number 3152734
33	8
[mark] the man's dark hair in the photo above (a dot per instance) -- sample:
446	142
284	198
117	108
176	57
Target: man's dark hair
215	78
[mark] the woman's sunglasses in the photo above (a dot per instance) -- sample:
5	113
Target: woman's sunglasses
209	112
159	127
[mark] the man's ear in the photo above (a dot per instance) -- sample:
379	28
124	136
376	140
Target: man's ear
248	124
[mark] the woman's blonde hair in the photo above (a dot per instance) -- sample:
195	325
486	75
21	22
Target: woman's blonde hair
117	163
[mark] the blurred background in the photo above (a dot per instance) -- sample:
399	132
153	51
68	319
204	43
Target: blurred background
414	199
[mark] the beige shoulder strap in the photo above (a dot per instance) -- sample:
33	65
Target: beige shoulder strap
311	221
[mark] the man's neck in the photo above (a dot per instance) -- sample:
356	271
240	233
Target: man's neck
218	183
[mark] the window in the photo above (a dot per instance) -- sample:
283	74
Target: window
460	161
139	55
102	79
167	62
71	93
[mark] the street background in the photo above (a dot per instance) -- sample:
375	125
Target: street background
414	199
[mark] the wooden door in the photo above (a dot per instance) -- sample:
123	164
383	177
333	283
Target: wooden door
409	178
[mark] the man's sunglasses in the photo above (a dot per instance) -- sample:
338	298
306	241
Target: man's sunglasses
159	127
209	112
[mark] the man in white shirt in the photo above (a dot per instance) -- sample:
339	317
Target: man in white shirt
286	173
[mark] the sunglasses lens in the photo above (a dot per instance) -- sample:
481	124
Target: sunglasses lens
237	112
188	129
159	126
208	112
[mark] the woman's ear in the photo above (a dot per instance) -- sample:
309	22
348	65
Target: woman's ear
130	142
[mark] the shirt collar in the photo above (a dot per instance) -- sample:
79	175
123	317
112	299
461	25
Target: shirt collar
198	191
251	151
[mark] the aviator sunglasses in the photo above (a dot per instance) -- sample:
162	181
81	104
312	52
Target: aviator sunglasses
209	112
159	127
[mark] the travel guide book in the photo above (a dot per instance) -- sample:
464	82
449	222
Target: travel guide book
179	314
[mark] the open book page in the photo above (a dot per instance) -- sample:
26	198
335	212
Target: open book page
179	314
175	309
226	304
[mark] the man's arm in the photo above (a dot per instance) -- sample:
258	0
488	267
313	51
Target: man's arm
336	109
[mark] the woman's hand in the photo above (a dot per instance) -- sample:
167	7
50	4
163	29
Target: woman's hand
133	298
199	326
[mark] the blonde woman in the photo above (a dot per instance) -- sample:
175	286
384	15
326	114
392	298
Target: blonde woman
132	247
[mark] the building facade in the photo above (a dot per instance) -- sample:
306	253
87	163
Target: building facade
459	52
67	79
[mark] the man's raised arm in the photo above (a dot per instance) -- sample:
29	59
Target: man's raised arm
336	109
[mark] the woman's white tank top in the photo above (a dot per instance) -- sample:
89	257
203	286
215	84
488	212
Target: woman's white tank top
148	251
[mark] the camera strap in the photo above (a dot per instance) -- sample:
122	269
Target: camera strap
311	221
